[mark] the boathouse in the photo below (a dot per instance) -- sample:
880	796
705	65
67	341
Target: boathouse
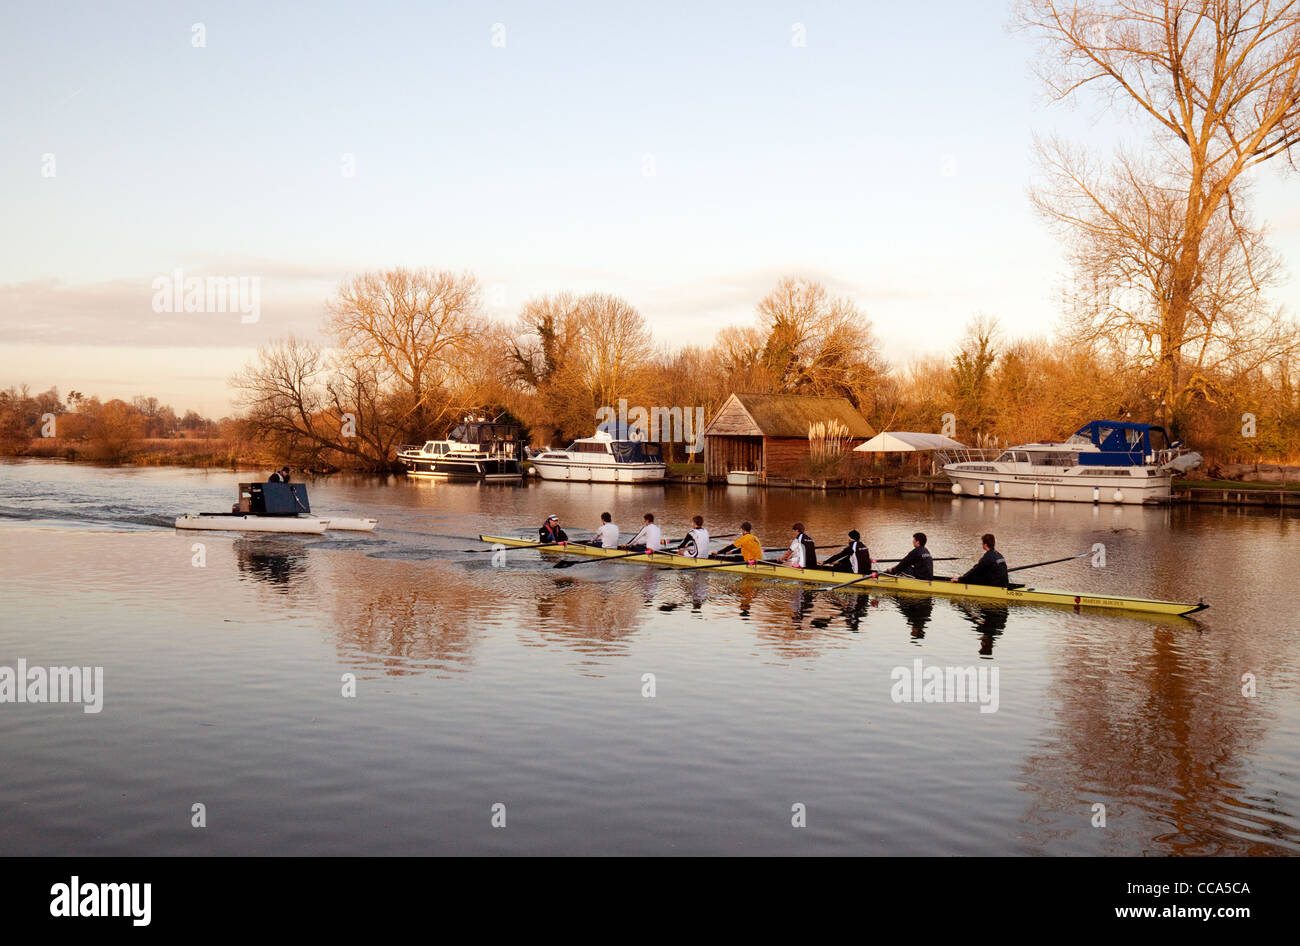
767	434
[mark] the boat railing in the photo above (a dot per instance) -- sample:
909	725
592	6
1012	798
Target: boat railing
966	455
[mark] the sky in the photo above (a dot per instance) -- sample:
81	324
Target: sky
682	156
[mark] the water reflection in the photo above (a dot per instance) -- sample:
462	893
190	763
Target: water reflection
918	613
989	621
852	607
1160	732
400	619
279	561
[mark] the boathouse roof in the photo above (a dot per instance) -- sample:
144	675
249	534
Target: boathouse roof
784	415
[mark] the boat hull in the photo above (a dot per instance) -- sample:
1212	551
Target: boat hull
228	522
600	472
460	469
350	524
1084	488
882	583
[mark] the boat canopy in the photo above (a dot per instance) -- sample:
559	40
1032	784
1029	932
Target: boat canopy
1118	443
905	441
482	432
634	451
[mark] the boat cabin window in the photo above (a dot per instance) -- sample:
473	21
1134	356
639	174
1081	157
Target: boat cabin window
1013	456
1046	458
578	447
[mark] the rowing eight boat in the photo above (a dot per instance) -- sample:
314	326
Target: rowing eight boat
880	583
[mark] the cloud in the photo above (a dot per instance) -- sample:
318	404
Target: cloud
122	311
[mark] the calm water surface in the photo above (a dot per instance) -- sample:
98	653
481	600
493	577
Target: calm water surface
522	685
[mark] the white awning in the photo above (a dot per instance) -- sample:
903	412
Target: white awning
903	441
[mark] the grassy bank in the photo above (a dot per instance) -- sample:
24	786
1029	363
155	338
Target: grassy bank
1234	484
192	452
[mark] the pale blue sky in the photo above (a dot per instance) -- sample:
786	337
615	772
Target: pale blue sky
889	157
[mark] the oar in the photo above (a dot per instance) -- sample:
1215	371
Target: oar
952	558
1055	561
847	583
773	548
592	561
729	535
698	568
546	545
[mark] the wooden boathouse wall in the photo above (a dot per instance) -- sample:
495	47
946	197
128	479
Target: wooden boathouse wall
768	433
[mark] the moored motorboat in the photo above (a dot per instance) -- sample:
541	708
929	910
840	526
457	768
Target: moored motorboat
473	450
890	583
610	455
1104	461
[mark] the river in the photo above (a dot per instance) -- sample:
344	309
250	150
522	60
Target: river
509	707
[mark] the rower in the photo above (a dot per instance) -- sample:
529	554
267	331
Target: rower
649	539
856	555
991	569
607	534
803	550
279	476
696	543
750	549
550	532
917	563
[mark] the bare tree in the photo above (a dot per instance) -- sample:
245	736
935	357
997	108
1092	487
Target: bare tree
295	398
417	327
1218	82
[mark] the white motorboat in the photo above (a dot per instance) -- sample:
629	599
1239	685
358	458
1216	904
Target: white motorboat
1104	461
273	507
238	522
601	458
473	450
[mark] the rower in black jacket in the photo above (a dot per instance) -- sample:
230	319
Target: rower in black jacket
989	570
917	563
855	555
550	531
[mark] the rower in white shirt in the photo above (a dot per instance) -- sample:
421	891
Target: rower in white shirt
607	534
696	543
802	552
649	539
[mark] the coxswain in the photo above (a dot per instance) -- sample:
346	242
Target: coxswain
747	546
649	539
991	569
279	476
856	555
606	534
803	550
696	543
917	563
550	532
